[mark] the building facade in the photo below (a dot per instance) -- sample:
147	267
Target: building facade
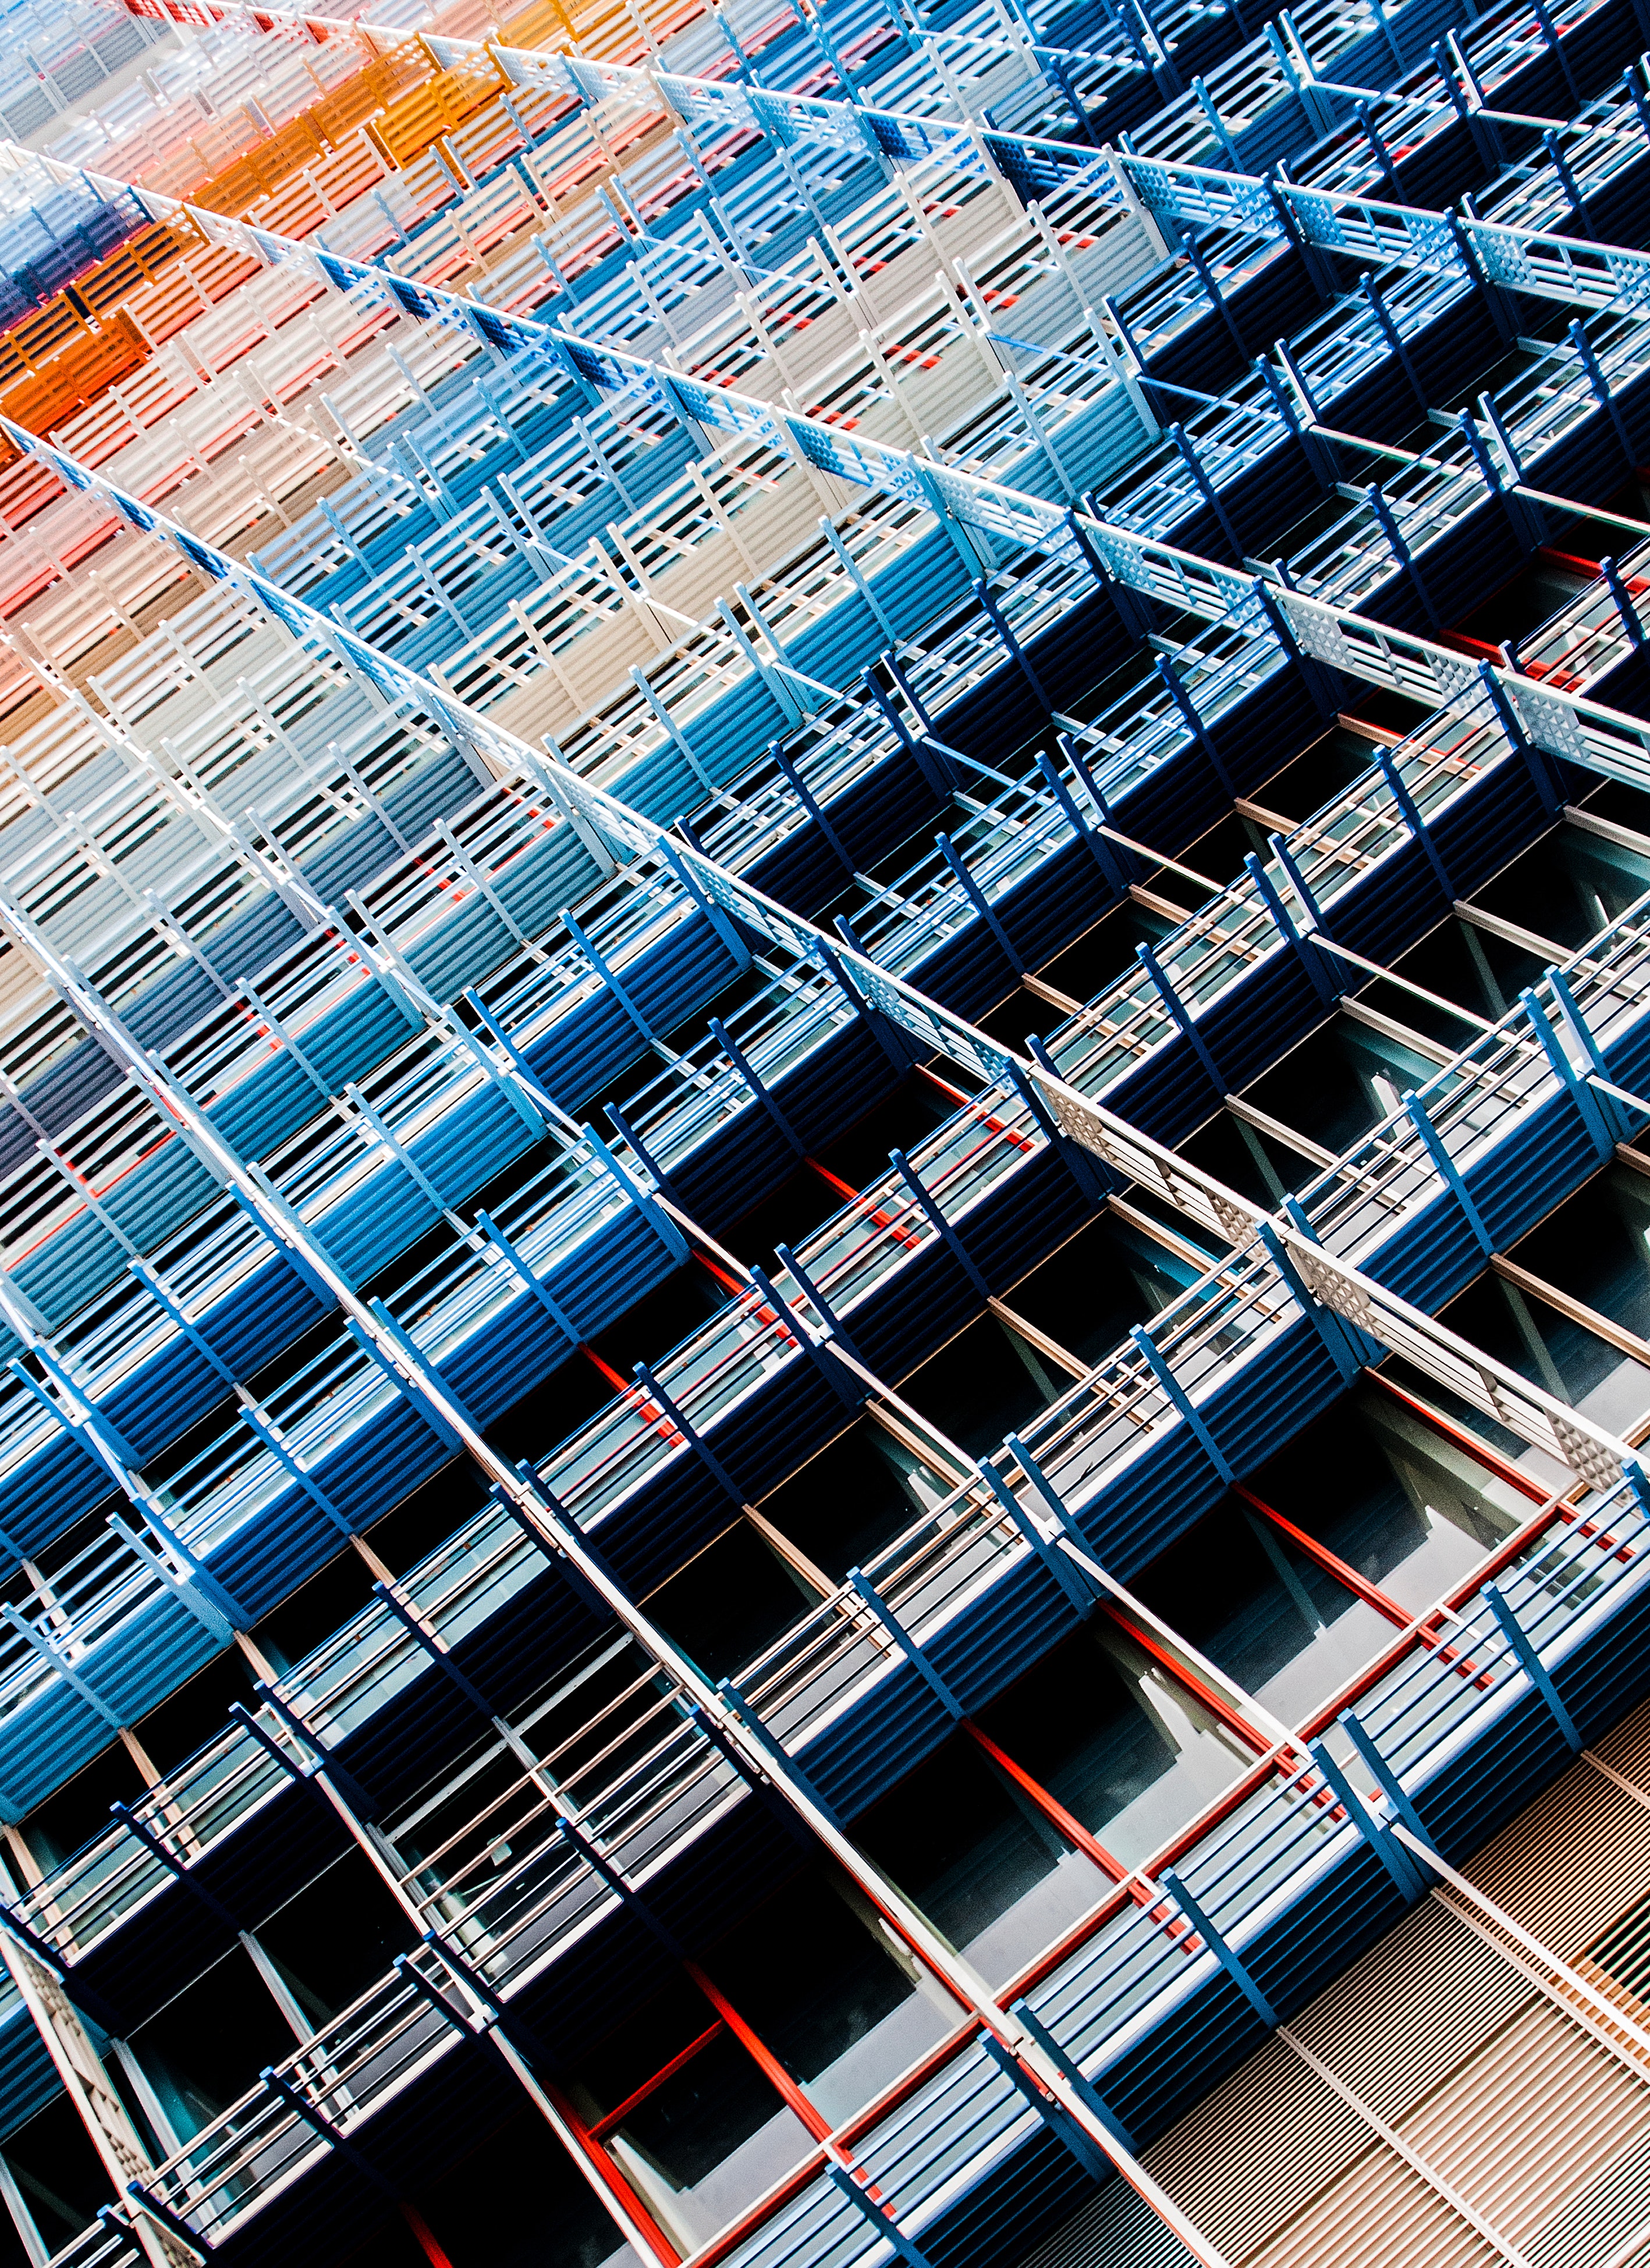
824	1033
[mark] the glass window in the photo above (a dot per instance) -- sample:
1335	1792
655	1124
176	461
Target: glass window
833	1991
973	1851
1399	1502
1263	1611
1122	1745
687	2116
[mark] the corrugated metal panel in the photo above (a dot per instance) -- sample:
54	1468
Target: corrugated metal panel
1442	1992
1118	2230
1607	2224
1523	2125
1378	2214
1530	1867
1241	2179
1625	1749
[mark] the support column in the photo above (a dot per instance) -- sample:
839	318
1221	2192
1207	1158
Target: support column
102	2113
1530	1662
1433	1142
1180	1015
934	1214
418	1380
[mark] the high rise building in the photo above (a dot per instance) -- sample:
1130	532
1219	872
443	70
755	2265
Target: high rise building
824	1056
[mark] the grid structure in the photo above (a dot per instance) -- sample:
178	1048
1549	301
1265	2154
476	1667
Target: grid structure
824	980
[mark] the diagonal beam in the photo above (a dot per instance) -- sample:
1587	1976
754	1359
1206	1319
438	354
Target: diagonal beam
1575	271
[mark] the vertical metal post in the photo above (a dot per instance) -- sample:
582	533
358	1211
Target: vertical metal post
1115	863
1217	124
1011	645
1566	181
1091	2094
1625	606
1109	306
1093	1179
1045	1489
1467	425
883	2221
1378	148
400	1366
786	1770
929	1205
1194	723
1090	2159
1065	1574
1470	101
1398	789
1405	1875
1433	1142
1636	95
628	1134
535	1285
1537	761
1298	882
1390	332
817	1300
604	969
857	577
1084	541
1181	1015
1216	297
424	1639
1491	417
809	802
1203	485
256	1423
1330	1328
1401	552
1157	1363
1534	1668
888	1035
1063	796
832	1373
647	1385
1550	32
1579	1092
891	663
762	1095
1309	958
861	1585
1390	1786
1497	304
684	870
1615	1113
1585	354
1315	451
1297	379
1234	1968
978	900
892	717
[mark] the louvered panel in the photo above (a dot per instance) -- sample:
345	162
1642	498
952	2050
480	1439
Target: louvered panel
1531	2118
1596	2228
1530	1869
1118	2230
1618	1964
1625	1748
1625	2042
1378	2215
1240	2177
1441	1992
